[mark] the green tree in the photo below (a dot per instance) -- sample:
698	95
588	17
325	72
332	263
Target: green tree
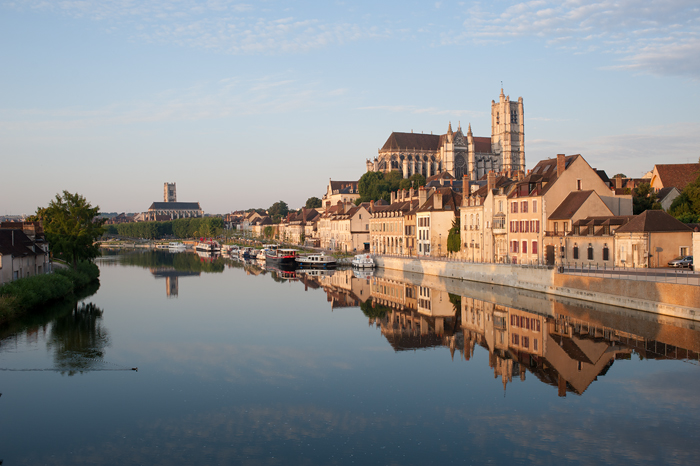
686	207
454	242
278	210
267	231
71	226
313	203
414	181
377	185
644	198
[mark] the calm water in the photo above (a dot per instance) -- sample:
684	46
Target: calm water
237	365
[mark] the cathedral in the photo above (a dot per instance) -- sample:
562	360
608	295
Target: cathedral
457	153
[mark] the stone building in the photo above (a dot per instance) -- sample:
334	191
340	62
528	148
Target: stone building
457	153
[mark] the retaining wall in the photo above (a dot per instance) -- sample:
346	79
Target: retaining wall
668	299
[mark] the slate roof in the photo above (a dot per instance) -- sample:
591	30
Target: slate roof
20	246
653	221
398	141
428	142
678	174
570	205
344	187
541	177
661	195
175	206
451	200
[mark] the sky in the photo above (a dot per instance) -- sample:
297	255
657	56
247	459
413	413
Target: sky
245	104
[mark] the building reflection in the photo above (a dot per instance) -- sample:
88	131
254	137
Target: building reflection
171	278
567	345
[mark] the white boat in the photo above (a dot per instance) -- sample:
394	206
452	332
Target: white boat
208	246
176	246
161	246
363	261
316	261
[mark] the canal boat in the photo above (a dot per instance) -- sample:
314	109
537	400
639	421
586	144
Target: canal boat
176	246
363	261
282	257
208	246
316	261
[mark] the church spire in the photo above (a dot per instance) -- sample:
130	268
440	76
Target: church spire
469	130
449	128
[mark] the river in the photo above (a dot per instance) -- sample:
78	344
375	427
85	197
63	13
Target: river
241	365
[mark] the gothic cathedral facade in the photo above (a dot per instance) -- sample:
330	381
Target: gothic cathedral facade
457	153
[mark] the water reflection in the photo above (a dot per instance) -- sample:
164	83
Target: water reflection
564	343
78	339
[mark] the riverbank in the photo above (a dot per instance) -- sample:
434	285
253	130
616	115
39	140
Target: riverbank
669	299
26	294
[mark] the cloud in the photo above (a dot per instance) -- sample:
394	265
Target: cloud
658	37
230	97
221	25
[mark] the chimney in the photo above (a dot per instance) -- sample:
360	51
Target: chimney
561	164
393	197
466	186
411	193
422	195
491	181
371	206
303	215
437	203
618	182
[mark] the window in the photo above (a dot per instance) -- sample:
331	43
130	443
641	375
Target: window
515	339
556	227
534	344
523	206
566	227
526	342
524	247
606	252
590	252
578	185
684	251
534	247
575	251
534	207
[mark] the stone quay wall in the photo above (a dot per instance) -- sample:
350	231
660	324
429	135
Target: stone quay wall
667	299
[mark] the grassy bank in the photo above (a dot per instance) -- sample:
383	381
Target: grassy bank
23	295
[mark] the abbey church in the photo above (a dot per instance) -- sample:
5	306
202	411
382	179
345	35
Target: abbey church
457	153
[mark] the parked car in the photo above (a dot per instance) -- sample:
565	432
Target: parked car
682	261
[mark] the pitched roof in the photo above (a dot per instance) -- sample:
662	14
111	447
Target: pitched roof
653	221
175	206
571	204
678	174
451	200
661	195
544	174
344	187
398	141
482	145
16	243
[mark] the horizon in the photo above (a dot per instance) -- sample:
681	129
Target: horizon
243	105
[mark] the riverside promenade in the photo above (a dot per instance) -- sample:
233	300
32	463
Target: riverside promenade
659	292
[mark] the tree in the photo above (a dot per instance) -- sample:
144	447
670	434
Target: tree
644	198
278	210
313	203
454	242
71	226
686	207
414	181
377	185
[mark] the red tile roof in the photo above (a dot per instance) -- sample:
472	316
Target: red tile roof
678	174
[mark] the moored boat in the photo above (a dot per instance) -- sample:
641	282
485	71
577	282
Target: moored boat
282	257
363	261
176	246
316	261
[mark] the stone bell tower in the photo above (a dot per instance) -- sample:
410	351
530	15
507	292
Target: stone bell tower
508	132
169	193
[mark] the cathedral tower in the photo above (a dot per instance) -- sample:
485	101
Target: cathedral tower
169	193
508	132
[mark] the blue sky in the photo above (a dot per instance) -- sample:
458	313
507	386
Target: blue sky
244	104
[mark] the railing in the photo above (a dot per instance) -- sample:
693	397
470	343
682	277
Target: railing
659	275
665	275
